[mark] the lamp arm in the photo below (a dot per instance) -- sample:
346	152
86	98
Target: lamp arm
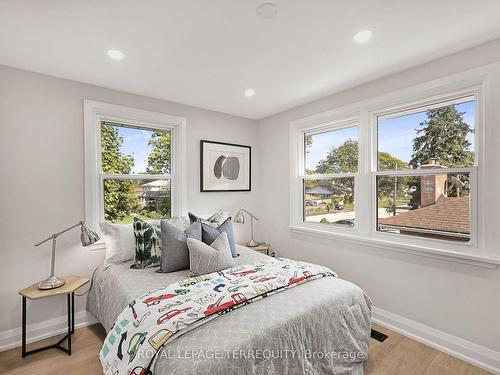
55	235
250	214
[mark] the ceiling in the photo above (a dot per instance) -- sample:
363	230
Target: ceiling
207	53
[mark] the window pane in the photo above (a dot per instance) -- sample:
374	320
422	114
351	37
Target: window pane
334	151
145	199
329	201
127	150
444	135
432	206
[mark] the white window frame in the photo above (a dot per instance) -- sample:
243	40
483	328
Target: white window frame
345	123
365	231
459	96
97	112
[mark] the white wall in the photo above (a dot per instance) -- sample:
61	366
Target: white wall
458	299
42	179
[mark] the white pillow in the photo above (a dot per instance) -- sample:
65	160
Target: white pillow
120	242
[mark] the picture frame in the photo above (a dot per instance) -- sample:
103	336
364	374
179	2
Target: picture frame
225	167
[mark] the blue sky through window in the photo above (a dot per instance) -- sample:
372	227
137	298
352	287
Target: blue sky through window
135	143
395	136
322	143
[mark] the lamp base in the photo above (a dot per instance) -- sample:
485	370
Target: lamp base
252	243
51	283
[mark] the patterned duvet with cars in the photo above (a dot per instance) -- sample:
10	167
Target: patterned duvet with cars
152	320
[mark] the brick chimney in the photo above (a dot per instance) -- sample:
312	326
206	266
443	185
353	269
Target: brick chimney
432	187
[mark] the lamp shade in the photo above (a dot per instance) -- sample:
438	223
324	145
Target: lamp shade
240	217
88	236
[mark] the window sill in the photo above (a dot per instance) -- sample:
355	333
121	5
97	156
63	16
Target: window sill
484	261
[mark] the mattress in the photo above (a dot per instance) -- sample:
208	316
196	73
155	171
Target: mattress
321	327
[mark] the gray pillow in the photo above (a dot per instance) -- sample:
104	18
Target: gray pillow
175	253
209	234
205	259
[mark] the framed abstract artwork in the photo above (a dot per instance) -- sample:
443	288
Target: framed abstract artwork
225	167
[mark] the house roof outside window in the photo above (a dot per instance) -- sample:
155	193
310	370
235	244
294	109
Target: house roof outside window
448	214
327	190
323	190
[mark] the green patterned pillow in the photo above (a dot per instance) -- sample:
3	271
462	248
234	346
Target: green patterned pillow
147	244
214	221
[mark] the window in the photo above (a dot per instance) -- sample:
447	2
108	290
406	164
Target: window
331	161
135	168
397	171
432	148
134	164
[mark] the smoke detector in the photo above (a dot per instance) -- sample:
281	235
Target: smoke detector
267	11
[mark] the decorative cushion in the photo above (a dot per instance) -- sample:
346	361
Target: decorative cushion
181	222
214	221
147	244
209	234
120	242
175	254
205	259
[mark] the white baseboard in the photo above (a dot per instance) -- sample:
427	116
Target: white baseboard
11	338
475	354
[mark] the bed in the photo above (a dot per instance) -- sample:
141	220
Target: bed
300	330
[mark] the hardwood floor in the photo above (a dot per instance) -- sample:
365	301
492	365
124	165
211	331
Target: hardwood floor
403	356
86	343
397	355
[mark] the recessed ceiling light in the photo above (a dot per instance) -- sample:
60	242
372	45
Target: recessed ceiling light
363	36
115	54
267	11
249	93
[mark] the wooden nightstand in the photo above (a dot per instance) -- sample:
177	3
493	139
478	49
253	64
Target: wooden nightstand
32	292
263	248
